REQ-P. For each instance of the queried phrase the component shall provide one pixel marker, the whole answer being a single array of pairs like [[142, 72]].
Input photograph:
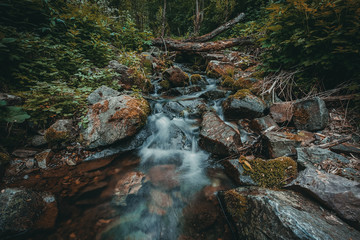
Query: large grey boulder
[[22, 210], [217, 137], [243, 104], [261, 214], [314, 156], [338, 193], [102, 93], [114, 119], [310, 114]]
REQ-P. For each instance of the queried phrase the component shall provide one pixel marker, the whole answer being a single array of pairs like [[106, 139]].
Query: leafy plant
[[12, 114]]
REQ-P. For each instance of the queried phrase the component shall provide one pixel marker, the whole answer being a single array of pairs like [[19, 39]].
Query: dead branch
[[334, 143]]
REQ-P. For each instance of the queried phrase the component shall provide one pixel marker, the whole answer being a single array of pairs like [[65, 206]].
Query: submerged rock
[[22, 210], [217, 137], [310, 114], [281, 144], [192, 108], [129, 184], [114, 119], [260, 214], [176, 77], [337, 193], [164, 176], [243, 104]]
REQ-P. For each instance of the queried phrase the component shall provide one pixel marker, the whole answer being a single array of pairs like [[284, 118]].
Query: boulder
[[310, 114], [217, 137], [159, 202], [114, 119], [189, 90], [59, 132], [259, 214], [217, 69], [273, 173], [261, 124], [38, 141], [22, 210], [24, 153], [314, 156], [193, 108], [214, 94], [176, 77], [281, 112], [129, 184], [280, 144], [337, 193], [102, 93], [243, 104]]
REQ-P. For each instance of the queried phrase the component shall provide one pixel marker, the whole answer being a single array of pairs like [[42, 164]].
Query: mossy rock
[[228, 82], [59, 132], [238, 203], [241, 94], [242, 83], [165, 84], [195, 78], [274, 173]]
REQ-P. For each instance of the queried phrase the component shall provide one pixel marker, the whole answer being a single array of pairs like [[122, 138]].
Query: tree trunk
[[163, 20], [177, 45], [198, 18], [218, 30]]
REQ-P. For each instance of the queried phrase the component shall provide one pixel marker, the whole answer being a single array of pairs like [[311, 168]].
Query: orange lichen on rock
[[100, 107]]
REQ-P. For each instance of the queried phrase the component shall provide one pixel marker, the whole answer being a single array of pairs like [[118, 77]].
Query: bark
[[163, 20], [177, 45], [217, 31]]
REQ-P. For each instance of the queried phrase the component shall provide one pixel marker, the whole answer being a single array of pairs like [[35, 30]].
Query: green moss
[[242, 83], [165, 84], [228, 82], [237, 204], [274, 173], [241, 94], [195, 78]]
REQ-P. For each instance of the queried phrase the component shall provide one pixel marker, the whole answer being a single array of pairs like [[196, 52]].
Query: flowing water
[[177, 170]]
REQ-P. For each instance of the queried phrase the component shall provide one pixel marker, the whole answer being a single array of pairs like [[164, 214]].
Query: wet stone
[[280, 144], [260, 213], [214, 94], [282, 112], [44, 158], [236, 172], [337, 193], [164, 176], [315, 156], [129, 184], [264, 123]]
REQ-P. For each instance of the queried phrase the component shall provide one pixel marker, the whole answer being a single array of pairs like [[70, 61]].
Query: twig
[[337, 142]]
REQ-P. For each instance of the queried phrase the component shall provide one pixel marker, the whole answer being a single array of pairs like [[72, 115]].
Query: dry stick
[[337, 142]]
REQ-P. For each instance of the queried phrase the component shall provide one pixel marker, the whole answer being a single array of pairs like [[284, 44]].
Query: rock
[[280, 144], [261, 124], [102, 93], [38, 141], [243, 104], [282, 112], [118, 67], [214, 56], [194, 107], [44, 158], [310, 114], [10, 100], [160, 199], [59, 132], [273, 173], [260, 214], [129, 184], [22, 210], [176, 77], [164, 176], [308, 157], [188, 90], [214, 94], [196, 79], [218, 69], [24, 153], [217, 137], [114, 119], [337, 193]]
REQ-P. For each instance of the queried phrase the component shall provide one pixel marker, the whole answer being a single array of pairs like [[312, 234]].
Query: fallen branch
[[217, 31], [177, 45], [337, 142]]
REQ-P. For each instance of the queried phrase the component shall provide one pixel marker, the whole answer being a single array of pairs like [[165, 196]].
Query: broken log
[[217, 31], [177, 45]]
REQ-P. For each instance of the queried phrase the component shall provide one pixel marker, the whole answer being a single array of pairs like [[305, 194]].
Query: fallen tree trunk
[[217, 31], [177, 45]]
